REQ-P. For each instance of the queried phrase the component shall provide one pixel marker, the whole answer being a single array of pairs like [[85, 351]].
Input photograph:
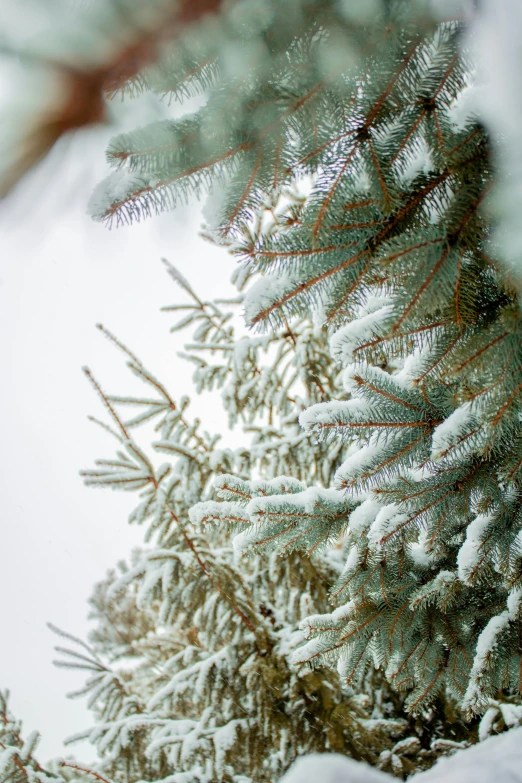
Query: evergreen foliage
[[17, 756], [190, 656], [390, 249], [191, 676], [382, 392]]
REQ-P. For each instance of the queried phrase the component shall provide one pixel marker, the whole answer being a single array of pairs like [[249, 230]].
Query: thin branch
[[251, 627], [87, 771], [113, 339], [106, 402]]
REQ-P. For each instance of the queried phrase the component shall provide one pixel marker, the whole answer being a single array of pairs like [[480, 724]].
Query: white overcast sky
[[60, 273]]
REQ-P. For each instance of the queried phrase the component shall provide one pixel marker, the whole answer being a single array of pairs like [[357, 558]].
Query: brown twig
[[87, 771]]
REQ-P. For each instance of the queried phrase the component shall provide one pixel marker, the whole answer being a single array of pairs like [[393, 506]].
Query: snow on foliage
[[114, 189], [452, 431], [384, 512], [362, 517], [387, 520], [489, 648], [420, 550], [368, 323], [262, 294], [469, 553], [323, 415], [401, 467], [360, 462]]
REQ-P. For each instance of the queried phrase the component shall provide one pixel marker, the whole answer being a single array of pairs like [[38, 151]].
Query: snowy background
[[60, 273]]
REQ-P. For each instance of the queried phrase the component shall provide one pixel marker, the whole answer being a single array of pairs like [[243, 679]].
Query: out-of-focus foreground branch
[[85, 80]]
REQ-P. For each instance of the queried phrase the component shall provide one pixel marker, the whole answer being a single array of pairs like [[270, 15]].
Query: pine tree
[[392, 253], [191, 653], [211, 693], [17, 756], [409, 471]]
